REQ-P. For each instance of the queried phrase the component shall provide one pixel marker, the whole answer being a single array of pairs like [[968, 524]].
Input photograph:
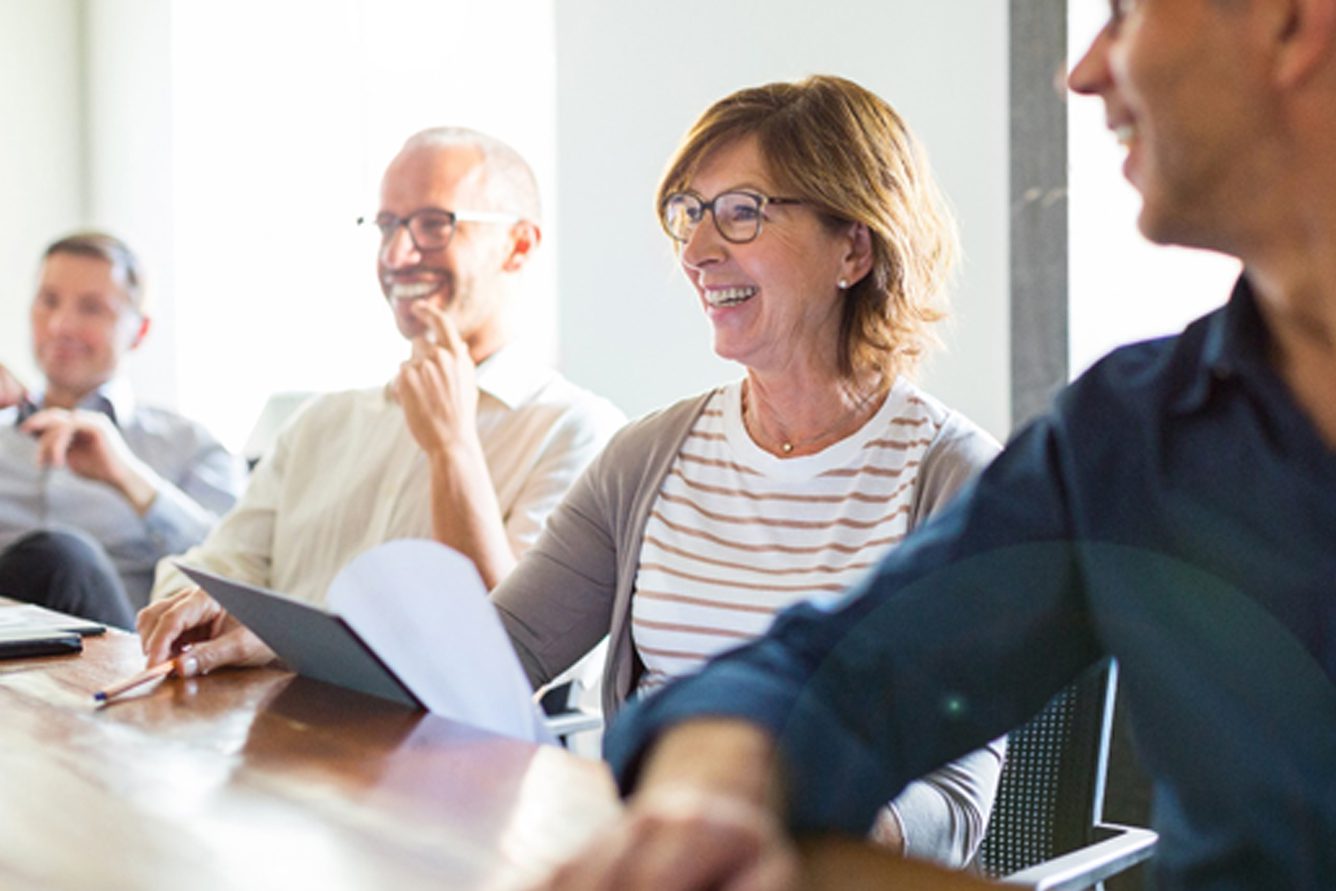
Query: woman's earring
[[844, 284]]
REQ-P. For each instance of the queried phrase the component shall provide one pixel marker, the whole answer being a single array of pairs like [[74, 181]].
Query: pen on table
[[162, 669]]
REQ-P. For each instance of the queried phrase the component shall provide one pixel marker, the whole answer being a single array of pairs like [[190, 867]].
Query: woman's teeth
[[729, 296], [1125, 133]]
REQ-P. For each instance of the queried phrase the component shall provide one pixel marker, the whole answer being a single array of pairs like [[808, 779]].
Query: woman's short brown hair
[[844, 150]]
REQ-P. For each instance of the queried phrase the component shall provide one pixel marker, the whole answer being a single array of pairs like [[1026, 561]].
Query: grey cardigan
[[574, 586]]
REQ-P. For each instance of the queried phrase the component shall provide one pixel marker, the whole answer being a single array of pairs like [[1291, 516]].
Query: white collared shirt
[[346, 475]]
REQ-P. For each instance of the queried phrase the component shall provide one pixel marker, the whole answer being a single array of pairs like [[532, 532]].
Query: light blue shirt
[[196, 480]]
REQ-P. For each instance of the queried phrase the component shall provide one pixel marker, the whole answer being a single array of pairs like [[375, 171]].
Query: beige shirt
[[347, 475]]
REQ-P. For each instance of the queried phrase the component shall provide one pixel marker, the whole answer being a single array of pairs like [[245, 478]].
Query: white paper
[[31, 617], [423, 609]]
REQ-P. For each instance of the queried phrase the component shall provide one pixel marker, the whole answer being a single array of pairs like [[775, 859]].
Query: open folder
[[407, 621]]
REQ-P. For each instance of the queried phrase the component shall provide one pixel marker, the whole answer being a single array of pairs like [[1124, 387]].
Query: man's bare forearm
[[465, 514]]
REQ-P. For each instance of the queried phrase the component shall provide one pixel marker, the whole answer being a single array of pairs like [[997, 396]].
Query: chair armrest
[[565, 724], [1126, 847]]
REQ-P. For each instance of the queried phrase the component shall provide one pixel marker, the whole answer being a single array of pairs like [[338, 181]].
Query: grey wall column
[[85, 44], [1038, 205]]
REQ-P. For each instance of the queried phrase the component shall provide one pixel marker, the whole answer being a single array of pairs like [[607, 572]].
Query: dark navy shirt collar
[[1234, 345]]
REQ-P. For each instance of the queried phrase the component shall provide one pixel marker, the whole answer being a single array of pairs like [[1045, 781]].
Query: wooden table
[[258, 779]]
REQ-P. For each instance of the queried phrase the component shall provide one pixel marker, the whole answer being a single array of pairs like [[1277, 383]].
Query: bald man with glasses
[[471, 444]]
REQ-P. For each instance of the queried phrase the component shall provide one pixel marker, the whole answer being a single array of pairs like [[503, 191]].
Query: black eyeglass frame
[[762, 201], [388, 224]]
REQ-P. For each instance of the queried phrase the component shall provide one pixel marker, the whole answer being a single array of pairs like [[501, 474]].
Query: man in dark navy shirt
[[1176, 509]]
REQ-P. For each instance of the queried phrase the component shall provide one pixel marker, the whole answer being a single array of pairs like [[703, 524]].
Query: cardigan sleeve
[[563, 597], [943, 814], [557, 602]]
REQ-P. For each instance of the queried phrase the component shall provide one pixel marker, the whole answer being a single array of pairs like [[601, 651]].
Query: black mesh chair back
[[1047, 830], [1050, 794]]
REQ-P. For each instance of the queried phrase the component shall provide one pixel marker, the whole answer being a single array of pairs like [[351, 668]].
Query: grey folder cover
[[315, 643]]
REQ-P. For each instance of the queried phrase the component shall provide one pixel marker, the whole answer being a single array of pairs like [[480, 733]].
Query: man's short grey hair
[[510, 182], [104, 246]]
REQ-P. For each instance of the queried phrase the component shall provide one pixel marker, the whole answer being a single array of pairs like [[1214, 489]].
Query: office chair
[[277, 411], [1046, 830], [564, 716]]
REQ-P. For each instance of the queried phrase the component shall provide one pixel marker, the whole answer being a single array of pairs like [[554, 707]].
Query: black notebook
[[20, 643]]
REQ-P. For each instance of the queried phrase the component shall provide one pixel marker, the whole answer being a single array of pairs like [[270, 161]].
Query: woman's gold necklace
[[787, 444]]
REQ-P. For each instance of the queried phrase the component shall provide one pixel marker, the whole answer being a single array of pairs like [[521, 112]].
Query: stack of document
[[30, 617], [27, 630]]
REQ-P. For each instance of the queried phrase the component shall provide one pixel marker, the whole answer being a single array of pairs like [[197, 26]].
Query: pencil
[[162, 669]]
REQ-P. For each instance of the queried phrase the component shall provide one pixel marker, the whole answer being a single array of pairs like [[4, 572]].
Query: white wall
[[130, 179], [237, 141], [41, 154], [632, 77]]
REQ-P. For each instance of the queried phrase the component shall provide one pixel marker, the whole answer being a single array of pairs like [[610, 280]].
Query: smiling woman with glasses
[[820, 269], [737, 215]]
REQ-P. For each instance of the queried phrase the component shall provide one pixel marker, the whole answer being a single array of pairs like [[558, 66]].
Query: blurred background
[[233, 145]]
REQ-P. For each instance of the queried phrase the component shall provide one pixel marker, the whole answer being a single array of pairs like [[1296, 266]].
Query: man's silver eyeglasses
[[431, 227], [737, 214]]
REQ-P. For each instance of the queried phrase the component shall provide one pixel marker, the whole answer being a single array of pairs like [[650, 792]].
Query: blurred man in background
[[96, 487]]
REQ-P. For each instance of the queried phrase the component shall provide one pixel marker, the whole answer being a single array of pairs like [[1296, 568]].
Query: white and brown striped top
[[737, 534]]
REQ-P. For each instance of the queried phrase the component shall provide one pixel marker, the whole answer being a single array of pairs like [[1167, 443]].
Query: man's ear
[[525, 236], [1307, 40], [144, 324]]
